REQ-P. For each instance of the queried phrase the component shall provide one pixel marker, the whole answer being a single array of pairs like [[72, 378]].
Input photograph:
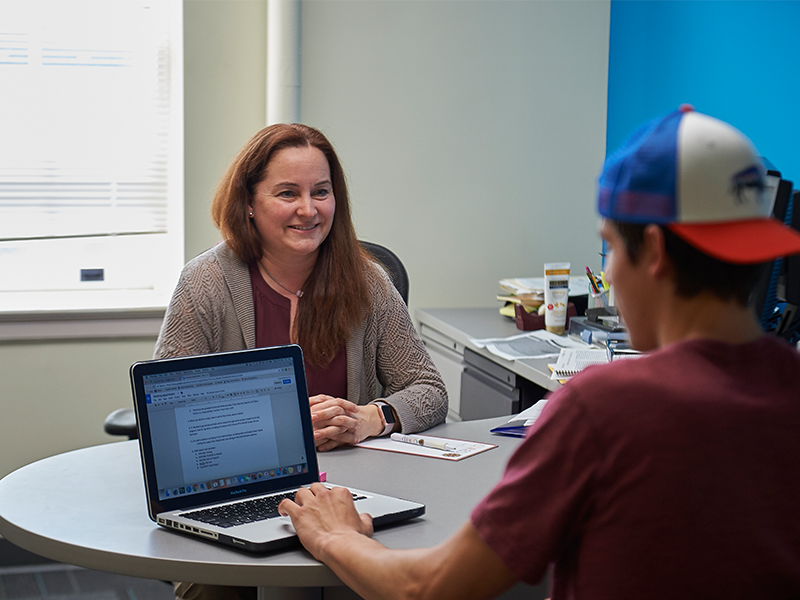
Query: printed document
[[534, 344]]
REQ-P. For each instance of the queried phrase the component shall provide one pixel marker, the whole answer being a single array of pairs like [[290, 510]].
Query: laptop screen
[[222, 422]]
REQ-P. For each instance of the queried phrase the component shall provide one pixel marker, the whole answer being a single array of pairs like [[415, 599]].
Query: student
[[671, 475]]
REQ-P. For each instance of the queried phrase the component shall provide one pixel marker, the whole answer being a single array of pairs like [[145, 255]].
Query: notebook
[[572, 361], [221, 435]]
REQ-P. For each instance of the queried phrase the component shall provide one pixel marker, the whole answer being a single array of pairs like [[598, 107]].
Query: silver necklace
[[298, 293]]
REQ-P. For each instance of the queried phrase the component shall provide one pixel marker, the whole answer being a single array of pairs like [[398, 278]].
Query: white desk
[[446, 333], [87, 508]]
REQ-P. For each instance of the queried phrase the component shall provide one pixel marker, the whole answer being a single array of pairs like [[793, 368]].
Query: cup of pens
[[598, 299], [599, 290]]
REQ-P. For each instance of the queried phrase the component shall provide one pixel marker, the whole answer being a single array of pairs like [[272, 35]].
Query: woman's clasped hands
[[338, 421]]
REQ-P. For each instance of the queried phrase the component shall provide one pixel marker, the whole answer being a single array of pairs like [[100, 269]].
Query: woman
[[291, 270]]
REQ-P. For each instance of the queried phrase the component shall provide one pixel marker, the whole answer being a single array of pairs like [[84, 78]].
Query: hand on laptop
[[338, 421], [323, 516]]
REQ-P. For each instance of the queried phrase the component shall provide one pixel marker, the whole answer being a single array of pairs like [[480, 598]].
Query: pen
[[603, 279], [592, 281], [418, 441]]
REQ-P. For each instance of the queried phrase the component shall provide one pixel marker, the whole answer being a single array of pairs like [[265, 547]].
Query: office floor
[[25, 576]]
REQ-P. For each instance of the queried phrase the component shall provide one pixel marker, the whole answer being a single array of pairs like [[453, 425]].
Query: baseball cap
[[702, 179]]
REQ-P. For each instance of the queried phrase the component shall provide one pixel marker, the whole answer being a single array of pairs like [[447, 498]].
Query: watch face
[[387, 413]]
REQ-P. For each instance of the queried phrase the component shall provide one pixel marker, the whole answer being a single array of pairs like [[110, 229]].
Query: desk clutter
[[572, 361], [518, 425], [572, 355], [532, 321], [595, 339], [534, 344], [523, 300], [531, 300]]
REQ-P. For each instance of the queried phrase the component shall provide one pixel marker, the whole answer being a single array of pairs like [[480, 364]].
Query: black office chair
[[123, 420], [392, 264]]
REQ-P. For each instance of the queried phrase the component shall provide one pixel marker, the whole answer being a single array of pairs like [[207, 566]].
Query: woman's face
[[293, 205]]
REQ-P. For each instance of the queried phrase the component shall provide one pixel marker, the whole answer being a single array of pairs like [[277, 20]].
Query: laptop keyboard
[[249, 511]]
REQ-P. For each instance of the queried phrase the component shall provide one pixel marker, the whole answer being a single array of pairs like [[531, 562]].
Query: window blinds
[[90, 151]]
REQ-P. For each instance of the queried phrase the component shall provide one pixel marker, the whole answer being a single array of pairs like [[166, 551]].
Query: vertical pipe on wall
[[283, 61]]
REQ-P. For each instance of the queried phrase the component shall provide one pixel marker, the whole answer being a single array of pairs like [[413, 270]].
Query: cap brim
[[746, 241]]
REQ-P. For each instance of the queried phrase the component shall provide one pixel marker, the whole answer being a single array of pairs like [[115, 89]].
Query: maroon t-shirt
[[671, 475], [272, 329]]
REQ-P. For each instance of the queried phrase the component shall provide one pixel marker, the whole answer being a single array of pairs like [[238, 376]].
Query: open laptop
[[222, 432]]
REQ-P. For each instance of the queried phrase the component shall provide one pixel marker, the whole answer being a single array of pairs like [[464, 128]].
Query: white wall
[[225, 83], [471, 132]]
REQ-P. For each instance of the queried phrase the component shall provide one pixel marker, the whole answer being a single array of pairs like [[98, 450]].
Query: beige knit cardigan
[[212, 311]]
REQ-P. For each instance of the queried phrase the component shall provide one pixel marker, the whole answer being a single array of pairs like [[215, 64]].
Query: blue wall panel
[[738, 60]]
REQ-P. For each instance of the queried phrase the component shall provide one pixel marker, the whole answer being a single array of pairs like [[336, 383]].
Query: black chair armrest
[[122, 422]]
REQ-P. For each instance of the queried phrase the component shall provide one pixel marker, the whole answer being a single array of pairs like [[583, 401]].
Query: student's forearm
[[372, 570], [461, 568]]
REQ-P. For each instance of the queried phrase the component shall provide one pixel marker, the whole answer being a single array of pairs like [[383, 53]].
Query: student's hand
[[322, 516]]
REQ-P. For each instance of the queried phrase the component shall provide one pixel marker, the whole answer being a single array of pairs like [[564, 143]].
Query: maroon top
[[272, 312], [671, 475]]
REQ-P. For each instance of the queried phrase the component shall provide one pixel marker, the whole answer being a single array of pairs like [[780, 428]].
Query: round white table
[[87, 508]]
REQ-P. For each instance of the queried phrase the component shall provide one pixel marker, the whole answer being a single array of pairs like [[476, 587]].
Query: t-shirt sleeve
[[534, 513]]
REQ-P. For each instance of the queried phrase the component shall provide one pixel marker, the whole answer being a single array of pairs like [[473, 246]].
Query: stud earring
[[251, 214]]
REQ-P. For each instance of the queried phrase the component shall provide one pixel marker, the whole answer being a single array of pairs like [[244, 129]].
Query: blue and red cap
[[703, 180]]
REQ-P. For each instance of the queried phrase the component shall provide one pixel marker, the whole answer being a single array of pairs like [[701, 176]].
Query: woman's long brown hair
[[335, 295]]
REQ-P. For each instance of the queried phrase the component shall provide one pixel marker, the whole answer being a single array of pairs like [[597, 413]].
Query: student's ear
[[654, 251]]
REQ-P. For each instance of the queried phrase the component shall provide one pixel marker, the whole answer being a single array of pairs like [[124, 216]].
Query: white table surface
[[87, 508]]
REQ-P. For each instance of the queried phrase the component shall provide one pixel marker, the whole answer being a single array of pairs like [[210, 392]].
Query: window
[[91, 154]]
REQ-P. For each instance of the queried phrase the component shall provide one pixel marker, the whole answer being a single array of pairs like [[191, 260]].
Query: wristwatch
[[387, 416]]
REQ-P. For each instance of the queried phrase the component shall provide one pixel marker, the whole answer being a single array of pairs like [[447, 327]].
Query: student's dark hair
[[335, 295], [695, 271]]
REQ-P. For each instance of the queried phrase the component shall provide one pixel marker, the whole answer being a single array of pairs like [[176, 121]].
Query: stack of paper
[[528, 292]]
